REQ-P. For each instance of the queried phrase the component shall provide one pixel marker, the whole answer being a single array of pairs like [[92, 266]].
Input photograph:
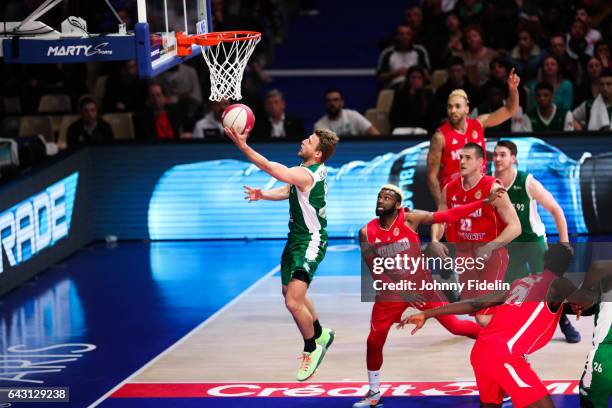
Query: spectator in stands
[[435, 32], [576, 41], [526, 56], [394, 61], [124, 91], [211, 126], [89, 128], [182, 83], [413, 16], [602, 51], [456, 80], [495, 93], [499, 19], [592, 35], [500, 70], [276, 124], [413, 105], [570, 67], [477, 57], [344, 122], [596, 114], [564, 90], [589, 87], [454, 41], [601, 16], [548, 116], [158, 119], [469, 12]]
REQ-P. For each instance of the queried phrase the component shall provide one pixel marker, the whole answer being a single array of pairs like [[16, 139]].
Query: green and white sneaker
[[326, 338], [310, 362], [371, 400]]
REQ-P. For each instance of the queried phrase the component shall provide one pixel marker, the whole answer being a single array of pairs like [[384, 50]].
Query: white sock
[[374, 380]]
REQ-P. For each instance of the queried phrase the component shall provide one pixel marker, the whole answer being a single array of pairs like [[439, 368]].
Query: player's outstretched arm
[[274, 194], [416, 217], [509, 109], [546, 199], [291, 175], [508, 214], [437, 230], [434, 156], [457, 308]]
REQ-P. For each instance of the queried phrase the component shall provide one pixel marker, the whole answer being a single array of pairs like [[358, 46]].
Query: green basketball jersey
[[557, 123], [603, 320], [527, 209], [307, 218]]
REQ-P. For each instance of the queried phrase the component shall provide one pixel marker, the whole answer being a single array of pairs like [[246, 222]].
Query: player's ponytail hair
[[327, 143]]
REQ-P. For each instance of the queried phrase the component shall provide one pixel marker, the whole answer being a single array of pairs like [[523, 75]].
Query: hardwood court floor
[[255, 339]]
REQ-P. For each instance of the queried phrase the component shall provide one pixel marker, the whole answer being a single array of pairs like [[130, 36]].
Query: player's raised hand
[[513, 80], [417, 319], [239, 139], [252, 194], [494, 194]]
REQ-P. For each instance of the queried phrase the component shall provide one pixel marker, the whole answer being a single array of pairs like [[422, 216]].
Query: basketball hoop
[[226, 54]]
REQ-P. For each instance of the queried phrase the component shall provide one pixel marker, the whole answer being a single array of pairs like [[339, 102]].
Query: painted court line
[[188, 335]]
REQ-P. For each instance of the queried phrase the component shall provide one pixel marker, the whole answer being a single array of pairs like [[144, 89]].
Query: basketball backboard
[[158, 23], [152, 42]]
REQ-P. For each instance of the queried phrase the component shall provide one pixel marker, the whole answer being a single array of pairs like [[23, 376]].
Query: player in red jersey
[[392, 234], [483, 233], [525, 320], [447, 141]]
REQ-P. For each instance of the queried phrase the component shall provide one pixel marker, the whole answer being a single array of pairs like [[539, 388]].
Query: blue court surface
[[92, 321]]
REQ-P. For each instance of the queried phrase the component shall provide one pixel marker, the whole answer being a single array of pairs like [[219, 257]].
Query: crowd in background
[[560, 49]]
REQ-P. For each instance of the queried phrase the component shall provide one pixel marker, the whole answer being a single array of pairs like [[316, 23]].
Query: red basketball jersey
[[399, 239], [453, 143], [484, 224], [524, 323]]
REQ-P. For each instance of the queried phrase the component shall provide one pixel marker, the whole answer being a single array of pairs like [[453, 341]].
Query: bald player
[[449, 139]]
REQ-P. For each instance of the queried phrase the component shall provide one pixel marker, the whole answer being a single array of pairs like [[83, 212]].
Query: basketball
[[238, 117]]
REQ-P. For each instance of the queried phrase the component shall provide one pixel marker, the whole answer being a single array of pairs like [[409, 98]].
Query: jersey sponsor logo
[[37, 222], [472, 236], [456, 154], [394, 248], [317, 389], [77, 50]]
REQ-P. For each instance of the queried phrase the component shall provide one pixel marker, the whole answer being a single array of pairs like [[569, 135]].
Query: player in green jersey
[[527, 250], [596, 381], [306, 190]]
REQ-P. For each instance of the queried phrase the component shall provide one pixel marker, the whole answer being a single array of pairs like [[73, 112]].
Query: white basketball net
[[226, 62]]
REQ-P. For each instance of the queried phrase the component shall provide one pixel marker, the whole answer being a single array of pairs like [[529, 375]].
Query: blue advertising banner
[[66, 50], [196, 191]]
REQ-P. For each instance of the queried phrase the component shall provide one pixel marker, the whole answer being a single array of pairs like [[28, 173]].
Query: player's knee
[[376, 340], [293, 305]]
